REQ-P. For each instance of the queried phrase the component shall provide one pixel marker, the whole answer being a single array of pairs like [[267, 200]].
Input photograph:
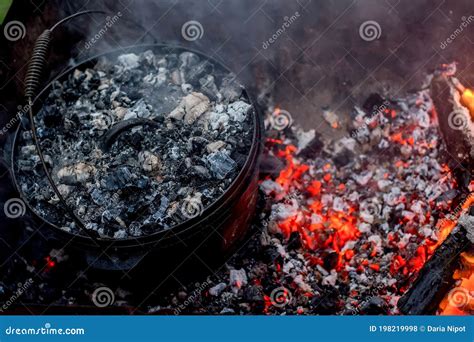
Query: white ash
[[331, 118], [75, 174], [150, 162], [467, 221], [198, 144], [191, 108], [238, 110], [237, 279], [128, 61], [217, 290], [215, 146], [304, 138]]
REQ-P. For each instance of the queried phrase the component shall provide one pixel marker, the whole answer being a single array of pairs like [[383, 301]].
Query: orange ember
[[460, 300], [339, 231], [319, 227], [446, 225], [467, 100]]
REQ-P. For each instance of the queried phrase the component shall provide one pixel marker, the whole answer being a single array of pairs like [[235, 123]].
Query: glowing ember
[[373, 222], [346, 224], [446, 225], [467, 100], [460, 299]]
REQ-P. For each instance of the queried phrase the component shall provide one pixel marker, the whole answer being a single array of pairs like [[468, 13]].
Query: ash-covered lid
[[196, 134]]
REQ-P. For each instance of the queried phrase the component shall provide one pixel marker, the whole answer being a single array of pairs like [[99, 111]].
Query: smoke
[[232, 31], [304, 54]]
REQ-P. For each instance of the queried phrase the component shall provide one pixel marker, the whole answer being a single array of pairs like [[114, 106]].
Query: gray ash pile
[[188, 132]]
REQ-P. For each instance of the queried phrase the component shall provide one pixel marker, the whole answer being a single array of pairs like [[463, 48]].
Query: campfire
[[344, 226], [150, 181], [352, 222]]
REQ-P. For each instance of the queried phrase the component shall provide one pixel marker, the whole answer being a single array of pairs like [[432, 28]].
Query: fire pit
[[351, 223], [345, 226], [361, 202]]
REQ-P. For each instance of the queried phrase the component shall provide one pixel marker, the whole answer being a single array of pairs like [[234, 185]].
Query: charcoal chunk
[[118, 178], [97, 197], [374, 306], [221, 164]]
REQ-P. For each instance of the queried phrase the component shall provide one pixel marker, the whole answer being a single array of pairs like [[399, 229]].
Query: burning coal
[[349, 222]]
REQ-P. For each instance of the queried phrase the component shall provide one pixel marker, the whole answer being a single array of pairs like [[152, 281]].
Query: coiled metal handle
[[32, 81], [37, 64]]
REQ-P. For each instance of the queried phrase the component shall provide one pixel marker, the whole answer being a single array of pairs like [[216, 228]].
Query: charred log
[[454, 120], [435, 278]]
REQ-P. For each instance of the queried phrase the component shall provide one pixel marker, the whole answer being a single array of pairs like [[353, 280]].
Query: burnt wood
[[459, 141], [435, 278]]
